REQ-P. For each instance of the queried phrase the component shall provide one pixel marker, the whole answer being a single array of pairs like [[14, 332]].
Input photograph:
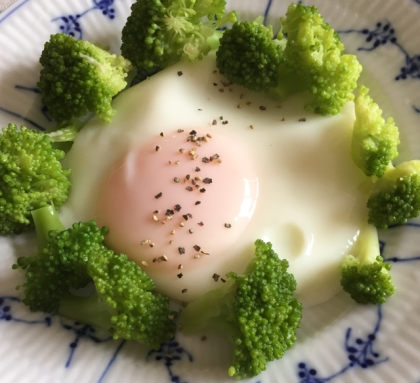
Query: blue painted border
[[12, 9]]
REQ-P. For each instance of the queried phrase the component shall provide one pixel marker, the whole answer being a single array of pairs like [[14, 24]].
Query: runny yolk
[[178, 203]]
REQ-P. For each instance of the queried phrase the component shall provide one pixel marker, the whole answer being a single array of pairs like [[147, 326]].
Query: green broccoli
[[124, 302], [32, 177], [65, 132], [78, 77], [248, 56], [256, 311], [159, 33], [395, 197], [365, 276], [312, 60], [374, 141]]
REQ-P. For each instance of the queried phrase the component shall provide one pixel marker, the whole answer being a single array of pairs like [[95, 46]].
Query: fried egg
[[192, 170]]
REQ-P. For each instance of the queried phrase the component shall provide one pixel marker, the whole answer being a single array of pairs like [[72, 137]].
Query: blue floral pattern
[[169, 353], [360, 353], [70, 24]]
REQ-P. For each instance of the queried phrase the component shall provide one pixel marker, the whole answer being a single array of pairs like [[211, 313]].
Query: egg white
[[311, 200]]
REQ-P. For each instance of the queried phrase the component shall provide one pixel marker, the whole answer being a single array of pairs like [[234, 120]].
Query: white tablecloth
[[5, 3]]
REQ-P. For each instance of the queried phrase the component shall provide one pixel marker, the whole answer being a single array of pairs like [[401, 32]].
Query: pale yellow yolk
[[178, 204]]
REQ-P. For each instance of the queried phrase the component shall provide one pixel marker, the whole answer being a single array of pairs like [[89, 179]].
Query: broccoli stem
[[46, 219], [367, 244], [211, 311], [288, 84], [92, 310]]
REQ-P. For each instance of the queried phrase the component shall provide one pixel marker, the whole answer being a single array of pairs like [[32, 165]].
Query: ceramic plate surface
[[339, 341]]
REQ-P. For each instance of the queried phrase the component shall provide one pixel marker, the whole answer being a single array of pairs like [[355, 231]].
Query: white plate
[[339, 341]]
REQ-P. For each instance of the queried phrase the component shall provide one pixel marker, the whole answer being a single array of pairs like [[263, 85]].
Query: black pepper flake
[[202, 190], [262, 107], [184, 291], [196, 248], [221, 118], [180, 73], [214, 122], [157, 148], [177, 207], [283, 119], [180, 275], [197, 169], [193, 132], [181, 250], [193, 182], [201, 224], [203, 337], [223, 280], [185, 217], [207, 180], [200, 110], [180, 130], [157, 196], [189, 215], [216, 277], [161, 134], [215, 83], [302, 119], [156, 211], [214, 157], [197, 202], [176, 179], [169, 212], [228, 225], [189, 188], [187, 177], [205, 160], [225, 122]]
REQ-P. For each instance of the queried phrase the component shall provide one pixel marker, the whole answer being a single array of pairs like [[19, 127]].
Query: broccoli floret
[[159, 33], [365, 276], [78, 77], [256, 311], [395, 197], [31, 177], [311, 60], [260, 57], [374, 141], [124, 302]]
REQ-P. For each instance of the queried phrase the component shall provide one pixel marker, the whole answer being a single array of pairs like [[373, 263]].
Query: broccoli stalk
[[78, 77], [365, 276], [311, 60], [124, 302], [159, 33], [32, 177], [395, 197], [374, 141], [256, 311], [65, 132]]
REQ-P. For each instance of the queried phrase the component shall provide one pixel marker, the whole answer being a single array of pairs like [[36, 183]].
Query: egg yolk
[[178, 203]]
